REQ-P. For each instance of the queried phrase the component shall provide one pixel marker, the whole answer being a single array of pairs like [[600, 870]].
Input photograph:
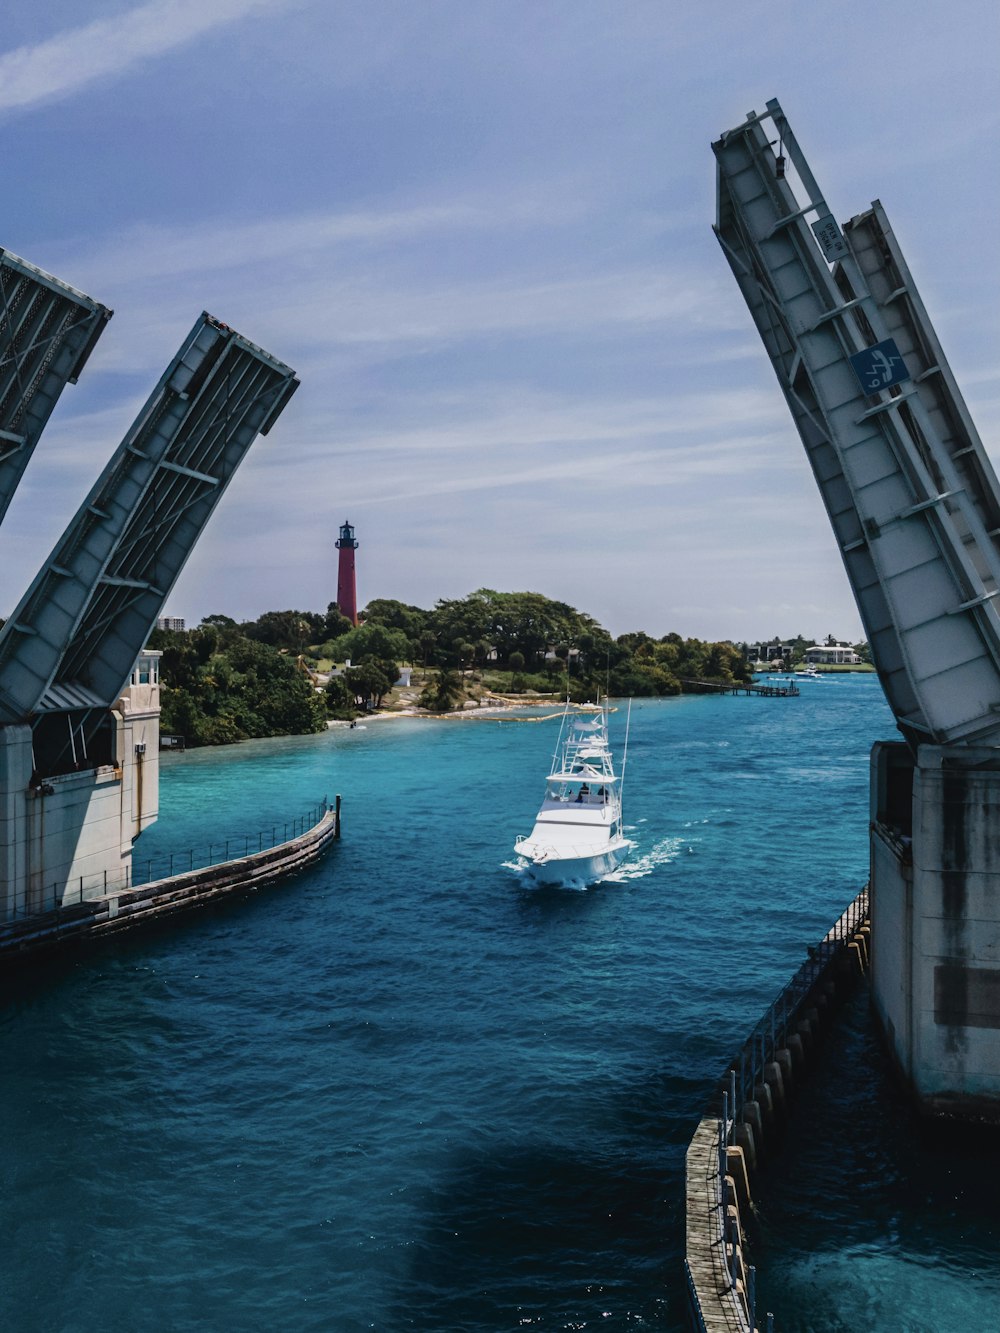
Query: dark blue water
[[869, 1219], [403, 1091]]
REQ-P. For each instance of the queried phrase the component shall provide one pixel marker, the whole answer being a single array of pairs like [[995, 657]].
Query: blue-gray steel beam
[[916, 539], [47, 331], [74, 638], [878, 255]]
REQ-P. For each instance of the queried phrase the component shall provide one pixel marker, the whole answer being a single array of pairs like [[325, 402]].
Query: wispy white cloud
[[517, 418], [383, 282], [607, 469], [367, 315], [148, 252], [70, 60]]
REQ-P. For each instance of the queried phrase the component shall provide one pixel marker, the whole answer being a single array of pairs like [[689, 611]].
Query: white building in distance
[[832, 654]]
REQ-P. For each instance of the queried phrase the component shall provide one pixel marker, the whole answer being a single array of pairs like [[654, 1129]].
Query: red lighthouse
[[347, 591]]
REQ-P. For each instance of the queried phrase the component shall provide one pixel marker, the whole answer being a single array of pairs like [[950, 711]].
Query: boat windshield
[[585, 793]]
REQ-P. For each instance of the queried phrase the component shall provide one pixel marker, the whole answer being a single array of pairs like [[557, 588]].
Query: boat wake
[[637, 867]]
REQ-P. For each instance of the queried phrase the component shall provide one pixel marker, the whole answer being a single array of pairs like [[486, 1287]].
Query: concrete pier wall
[[67, 831], [935, 858], [95, 918]]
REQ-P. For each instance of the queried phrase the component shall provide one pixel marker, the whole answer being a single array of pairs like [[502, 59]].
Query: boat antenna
[[621, 785], [562, 728]]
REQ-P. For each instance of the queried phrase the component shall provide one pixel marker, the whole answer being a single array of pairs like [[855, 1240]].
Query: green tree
[[388, 645], [340, 701], [396, 615], [627, 681], [335, 624], [218, 686], [427, 644], [441, 694], [292, 630], [368, 682], [524, 622]]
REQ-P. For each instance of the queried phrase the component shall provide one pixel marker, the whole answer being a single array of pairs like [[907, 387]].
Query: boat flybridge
[[578, 836]]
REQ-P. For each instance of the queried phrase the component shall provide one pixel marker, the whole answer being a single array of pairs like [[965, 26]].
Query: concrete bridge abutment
[[935, 922]]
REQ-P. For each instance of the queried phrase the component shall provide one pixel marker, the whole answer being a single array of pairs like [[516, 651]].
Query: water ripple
[[403, 1092]]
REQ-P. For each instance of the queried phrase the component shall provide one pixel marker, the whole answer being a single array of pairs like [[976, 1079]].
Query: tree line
[[228, 681]]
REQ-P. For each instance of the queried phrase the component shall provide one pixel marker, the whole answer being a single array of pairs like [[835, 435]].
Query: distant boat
[[578, 838], [809, 673]]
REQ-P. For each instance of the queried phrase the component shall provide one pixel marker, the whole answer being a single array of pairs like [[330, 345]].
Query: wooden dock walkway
[[754, 1097], [716, 1307], [786, 691]]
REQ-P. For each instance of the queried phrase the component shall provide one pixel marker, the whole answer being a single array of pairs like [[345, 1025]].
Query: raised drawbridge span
[[79, 695], [47, 332], [915, 509], [72, 641], [911, 495]]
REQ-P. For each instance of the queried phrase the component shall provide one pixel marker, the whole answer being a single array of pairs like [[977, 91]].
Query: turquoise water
[[402, 1091]]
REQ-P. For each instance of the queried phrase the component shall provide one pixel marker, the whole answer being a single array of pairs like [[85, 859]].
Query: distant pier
[[785, 691]]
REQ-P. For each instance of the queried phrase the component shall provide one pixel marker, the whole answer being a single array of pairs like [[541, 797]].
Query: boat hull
[[573, 872]]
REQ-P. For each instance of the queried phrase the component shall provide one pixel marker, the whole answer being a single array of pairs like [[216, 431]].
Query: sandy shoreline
[[463, 714]]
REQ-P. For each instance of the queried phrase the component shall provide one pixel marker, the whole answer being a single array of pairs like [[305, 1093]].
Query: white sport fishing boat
[[578, 837]]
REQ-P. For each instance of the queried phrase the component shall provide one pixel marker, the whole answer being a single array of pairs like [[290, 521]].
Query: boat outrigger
[[578, 837]]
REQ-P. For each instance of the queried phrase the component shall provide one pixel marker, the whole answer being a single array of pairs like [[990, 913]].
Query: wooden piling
[[770, 1067]]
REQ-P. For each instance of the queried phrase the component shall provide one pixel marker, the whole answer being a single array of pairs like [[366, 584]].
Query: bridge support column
[[936, 921], [15, 774]]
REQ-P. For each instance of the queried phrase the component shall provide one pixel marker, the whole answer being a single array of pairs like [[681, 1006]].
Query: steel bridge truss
[[47, 332], [71, 644], [910, 492]]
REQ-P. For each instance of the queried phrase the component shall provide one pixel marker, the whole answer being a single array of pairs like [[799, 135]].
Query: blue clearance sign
[[879, 367]]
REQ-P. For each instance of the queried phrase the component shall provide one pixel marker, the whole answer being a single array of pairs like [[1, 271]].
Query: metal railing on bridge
[[216, 852]]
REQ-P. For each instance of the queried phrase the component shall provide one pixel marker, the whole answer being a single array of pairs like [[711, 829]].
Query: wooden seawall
[[755, 1099], [97, 918]]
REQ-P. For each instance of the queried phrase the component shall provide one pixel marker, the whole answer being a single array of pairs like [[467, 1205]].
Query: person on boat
[[583, 792]]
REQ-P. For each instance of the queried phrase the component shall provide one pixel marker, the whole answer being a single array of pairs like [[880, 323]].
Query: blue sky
[[481, 233]]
